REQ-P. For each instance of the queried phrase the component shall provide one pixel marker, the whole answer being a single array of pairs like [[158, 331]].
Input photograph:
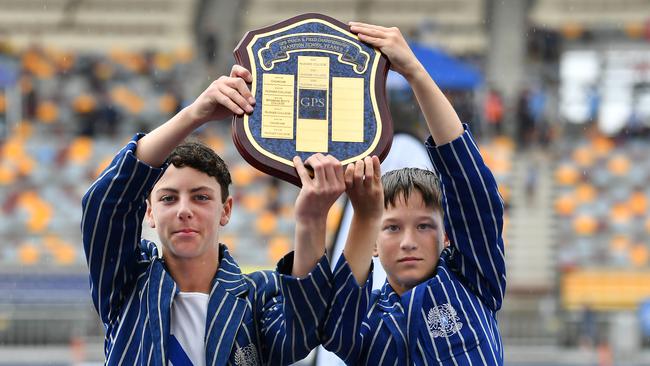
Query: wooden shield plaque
[[317, 89]]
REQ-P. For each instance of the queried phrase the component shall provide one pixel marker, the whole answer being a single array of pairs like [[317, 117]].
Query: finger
[[373, 41], [335, 172], [239, 71], [219, 99], [349, 176], [302, 171], [316, 163], [376, 165], [369, 172], [243, 90], [358, 172], [372, 32], [228, 89], [367, 26]]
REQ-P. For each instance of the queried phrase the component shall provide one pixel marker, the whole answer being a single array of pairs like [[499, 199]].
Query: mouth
[[409, 260], [185, 231]]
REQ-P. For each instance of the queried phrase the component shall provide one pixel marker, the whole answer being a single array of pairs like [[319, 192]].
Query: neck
[[194, 274], [399, 288]]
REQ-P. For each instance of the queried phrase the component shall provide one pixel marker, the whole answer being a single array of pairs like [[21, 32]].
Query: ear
[[227, 211], [445, 242], [149, 215], [375, 252]]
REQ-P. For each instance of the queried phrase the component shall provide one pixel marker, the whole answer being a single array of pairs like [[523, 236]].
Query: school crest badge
[[443, 321], [246, 356]]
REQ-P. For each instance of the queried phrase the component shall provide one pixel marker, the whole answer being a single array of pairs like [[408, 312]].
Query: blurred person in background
[[192, 305], [440, 243]]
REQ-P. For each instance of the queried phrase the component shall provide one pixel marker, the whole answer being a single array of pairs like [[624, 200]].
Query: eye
[[202, 197], [391, 228], [167, 198], [425, 227]]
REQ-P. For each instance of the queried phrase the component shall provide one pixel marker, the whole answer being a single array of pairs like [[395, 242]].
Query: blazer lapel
[[161, 291], [226, 309]]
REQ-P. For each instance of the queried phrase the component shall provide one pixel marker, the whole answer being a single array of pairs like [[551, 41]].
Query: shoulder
[[262, 281]]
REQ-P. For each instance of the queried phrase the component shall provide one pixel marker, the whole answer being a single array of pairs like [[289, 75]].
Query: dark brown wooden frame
[[284, 171]]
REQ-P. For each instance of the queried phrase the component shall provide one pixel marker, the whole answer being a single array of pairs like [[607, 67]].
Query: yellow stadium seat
[[619, 243], [163, 61], [28, 254], [23, 130], [103, 165], [639, 255], [504, 142], [13, 149], [279, 246], [7, 175], [602, 145], [619, 165], [80, 150], [585, 193], [638, 203], [585, 225], [25, 165], [230, 241], [184, 55], [215, 142], [39, 212], [62, 252], [84, 103], [565, 205], [620, 213], [504, 190], [334, 217], [583, 156], [242, 174], [566, 175], [167, 103], [3, 103], [47, 112], [266, 223], [103, 71], [253, 202]]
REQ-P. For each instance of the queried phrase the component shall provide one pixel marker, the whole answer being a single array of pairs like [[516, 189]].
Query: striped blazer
[[266, 317], [449, 319]]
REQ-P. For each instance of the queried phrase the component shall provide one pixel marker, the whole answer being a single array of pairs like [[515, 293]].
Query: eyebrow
[[193, 190], [399, 218]]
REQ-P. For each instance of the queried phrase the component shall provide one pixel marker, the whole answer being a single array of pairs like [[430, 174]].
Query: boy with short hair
[[194, 306], [440, 244]]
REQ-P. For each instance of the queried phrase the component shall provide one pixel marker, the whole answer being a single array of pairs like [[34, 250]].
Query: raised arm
[[351, 283], [473, 206], [225, 96], [114, 206], [113, 209], [314, 201], [441, 117], [363, 186]]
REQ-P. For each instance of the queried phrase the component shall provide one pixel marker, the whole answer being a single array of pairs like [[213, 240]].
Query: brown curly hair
[[197, 155]]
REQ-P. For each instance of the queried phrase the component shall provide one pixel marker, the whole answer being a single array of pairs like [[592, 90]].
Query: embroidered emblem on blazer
[[246, 356], [443, 321]]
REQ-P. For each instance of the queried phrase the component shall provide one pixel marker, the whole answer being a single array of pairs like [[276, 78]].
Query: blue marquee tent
[[448, 72]]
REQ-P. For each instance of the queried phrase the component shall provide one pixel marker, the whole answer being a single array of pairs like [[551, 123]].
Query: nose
[[184, 210], [408, 241]]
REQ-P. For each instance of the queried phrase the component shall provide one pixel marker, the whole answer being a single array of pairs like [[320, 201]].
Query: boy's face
[[186, 210], [409, 241]]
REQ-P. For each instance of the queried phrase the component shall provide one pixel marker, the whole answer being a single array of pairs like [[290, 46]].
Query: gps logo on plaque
[[318, 89]]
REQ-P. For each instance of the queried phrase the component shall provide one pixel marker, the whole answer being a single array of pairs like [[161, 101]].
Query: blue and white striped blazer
[[265, 317], [449, 319]]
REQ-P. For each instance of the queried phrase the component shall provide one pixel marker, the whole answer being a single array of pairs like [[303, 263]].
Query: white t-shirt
[[187, 338]]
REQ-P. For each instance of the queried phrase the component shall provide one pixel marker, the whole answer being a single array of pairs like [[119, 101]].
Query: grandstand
[[78, 78]]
